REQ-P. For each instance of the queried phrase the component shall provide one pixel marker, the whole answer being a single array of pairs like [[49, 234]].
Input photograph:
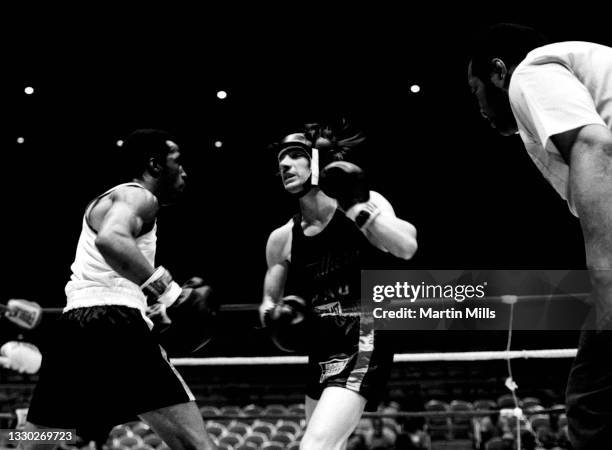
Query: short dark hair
[[507, 41], [142, 145]]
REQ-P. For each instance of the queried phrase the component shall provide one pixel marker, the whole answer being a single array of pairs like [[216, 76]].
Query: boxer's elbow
[[408, 248], [103, 242], [409, 244], [399, 240]]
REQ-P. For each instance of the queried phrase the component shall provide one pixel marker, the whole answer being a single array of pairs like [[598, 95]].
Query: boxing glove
[[20, 356], [286, 323], [189, 322], [346, 182]]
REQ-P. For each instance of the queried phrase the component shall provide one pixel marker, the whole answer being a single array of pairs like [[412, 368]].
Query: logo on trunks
[[329, 309], [333, 367]]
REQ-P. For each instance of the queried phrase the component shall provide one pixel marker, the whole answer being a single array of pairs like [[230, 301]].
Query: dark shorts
[[589, 392], [102, 367], [347, 352]]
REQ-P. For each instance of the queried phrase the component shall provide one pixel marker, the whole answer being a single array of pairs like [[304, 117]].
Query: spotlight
[[119, 143], [20, 140], [415, 88], [218, 144], [221, 95], [29, 90]]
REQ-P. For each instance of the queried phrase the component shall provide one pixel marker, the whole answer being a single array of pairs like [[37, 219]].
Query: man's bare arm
[[390, 233], [121, 225], [278, 266]]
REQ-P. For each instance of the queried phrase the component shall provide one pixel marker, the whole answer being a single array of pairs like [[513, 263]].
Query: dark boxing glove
[[192, 316], [347, 183], [286, 322]]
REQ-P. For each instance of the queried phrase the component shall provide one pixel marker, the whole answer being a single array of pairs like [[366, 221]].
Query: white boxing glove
[[20, 356]]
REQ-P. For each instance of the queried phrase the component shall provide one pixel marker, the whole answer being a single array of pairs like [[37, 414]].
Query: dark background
[[476, 198]]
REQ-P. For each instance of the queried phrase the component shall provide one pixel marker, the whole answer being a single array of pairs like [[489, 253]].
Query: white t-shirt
[[557, 88]]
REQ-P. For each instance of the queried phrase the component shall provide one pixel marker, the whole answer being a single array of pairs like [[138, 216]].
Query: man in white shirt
[[558, 97]]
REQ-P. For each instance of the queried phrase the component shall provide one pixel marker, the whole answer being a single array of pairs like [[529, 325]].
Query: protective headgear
[[319, 152]]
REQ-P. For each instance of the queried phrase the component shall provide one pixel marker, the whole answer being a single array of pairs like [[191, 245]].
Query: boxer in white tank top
[[104, 366], [94, 281]]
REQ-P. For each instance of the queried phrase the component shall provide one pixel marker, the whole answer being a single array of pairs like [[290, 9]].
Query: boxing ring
[[517, 413]]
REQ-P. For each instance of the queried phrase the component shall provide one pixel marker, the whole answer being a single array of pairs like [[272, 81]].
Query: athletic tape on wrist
[[160, 287], [156, 275], [171, 294]]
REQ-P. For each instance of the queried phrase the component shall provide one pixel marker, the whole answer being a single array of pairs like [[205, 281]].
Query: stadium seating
[[438, 427]]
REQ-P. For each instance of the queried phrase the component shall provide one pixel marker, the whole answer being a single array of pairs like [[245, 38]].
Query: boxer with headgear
[[104, 365], [311, 300]]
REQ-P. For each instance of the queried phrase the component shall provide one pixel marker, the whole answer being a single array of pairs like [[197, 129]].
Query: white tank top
[[93, 281]]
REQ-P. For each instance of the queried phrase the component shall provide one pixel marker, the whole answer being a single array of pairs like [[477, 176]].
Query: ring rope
[[399, 414], [406, 357]]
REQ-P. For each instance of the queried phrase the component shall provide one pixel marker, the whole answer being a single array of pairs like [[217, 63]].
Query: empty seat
[[231, 410], [275, 410], [288, 426], [438, 427], [284, 438], [141, 429], [251, 412], [129, 441], [264, 428], [539, 421], [528, 402], [153, 440], [461, 426], [208, 411], [256, 438], [297, 408], [252, 409], [534, 408], [120, 431], [231, 439], [239, 428], [215, 429], [505, 401]]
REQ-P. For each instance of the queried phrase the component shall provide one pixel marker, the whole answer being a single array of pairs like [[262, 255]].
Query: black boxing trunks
[[343, 348], [102, 367], [348, 353]]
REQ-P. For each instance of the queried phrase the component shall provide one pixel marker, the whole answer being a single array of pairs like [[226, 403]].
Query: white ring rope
[[406, 357]]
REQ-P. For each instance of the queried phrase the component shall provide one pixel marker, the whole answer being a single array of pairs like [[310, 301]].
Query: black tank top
[[326, 268]]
